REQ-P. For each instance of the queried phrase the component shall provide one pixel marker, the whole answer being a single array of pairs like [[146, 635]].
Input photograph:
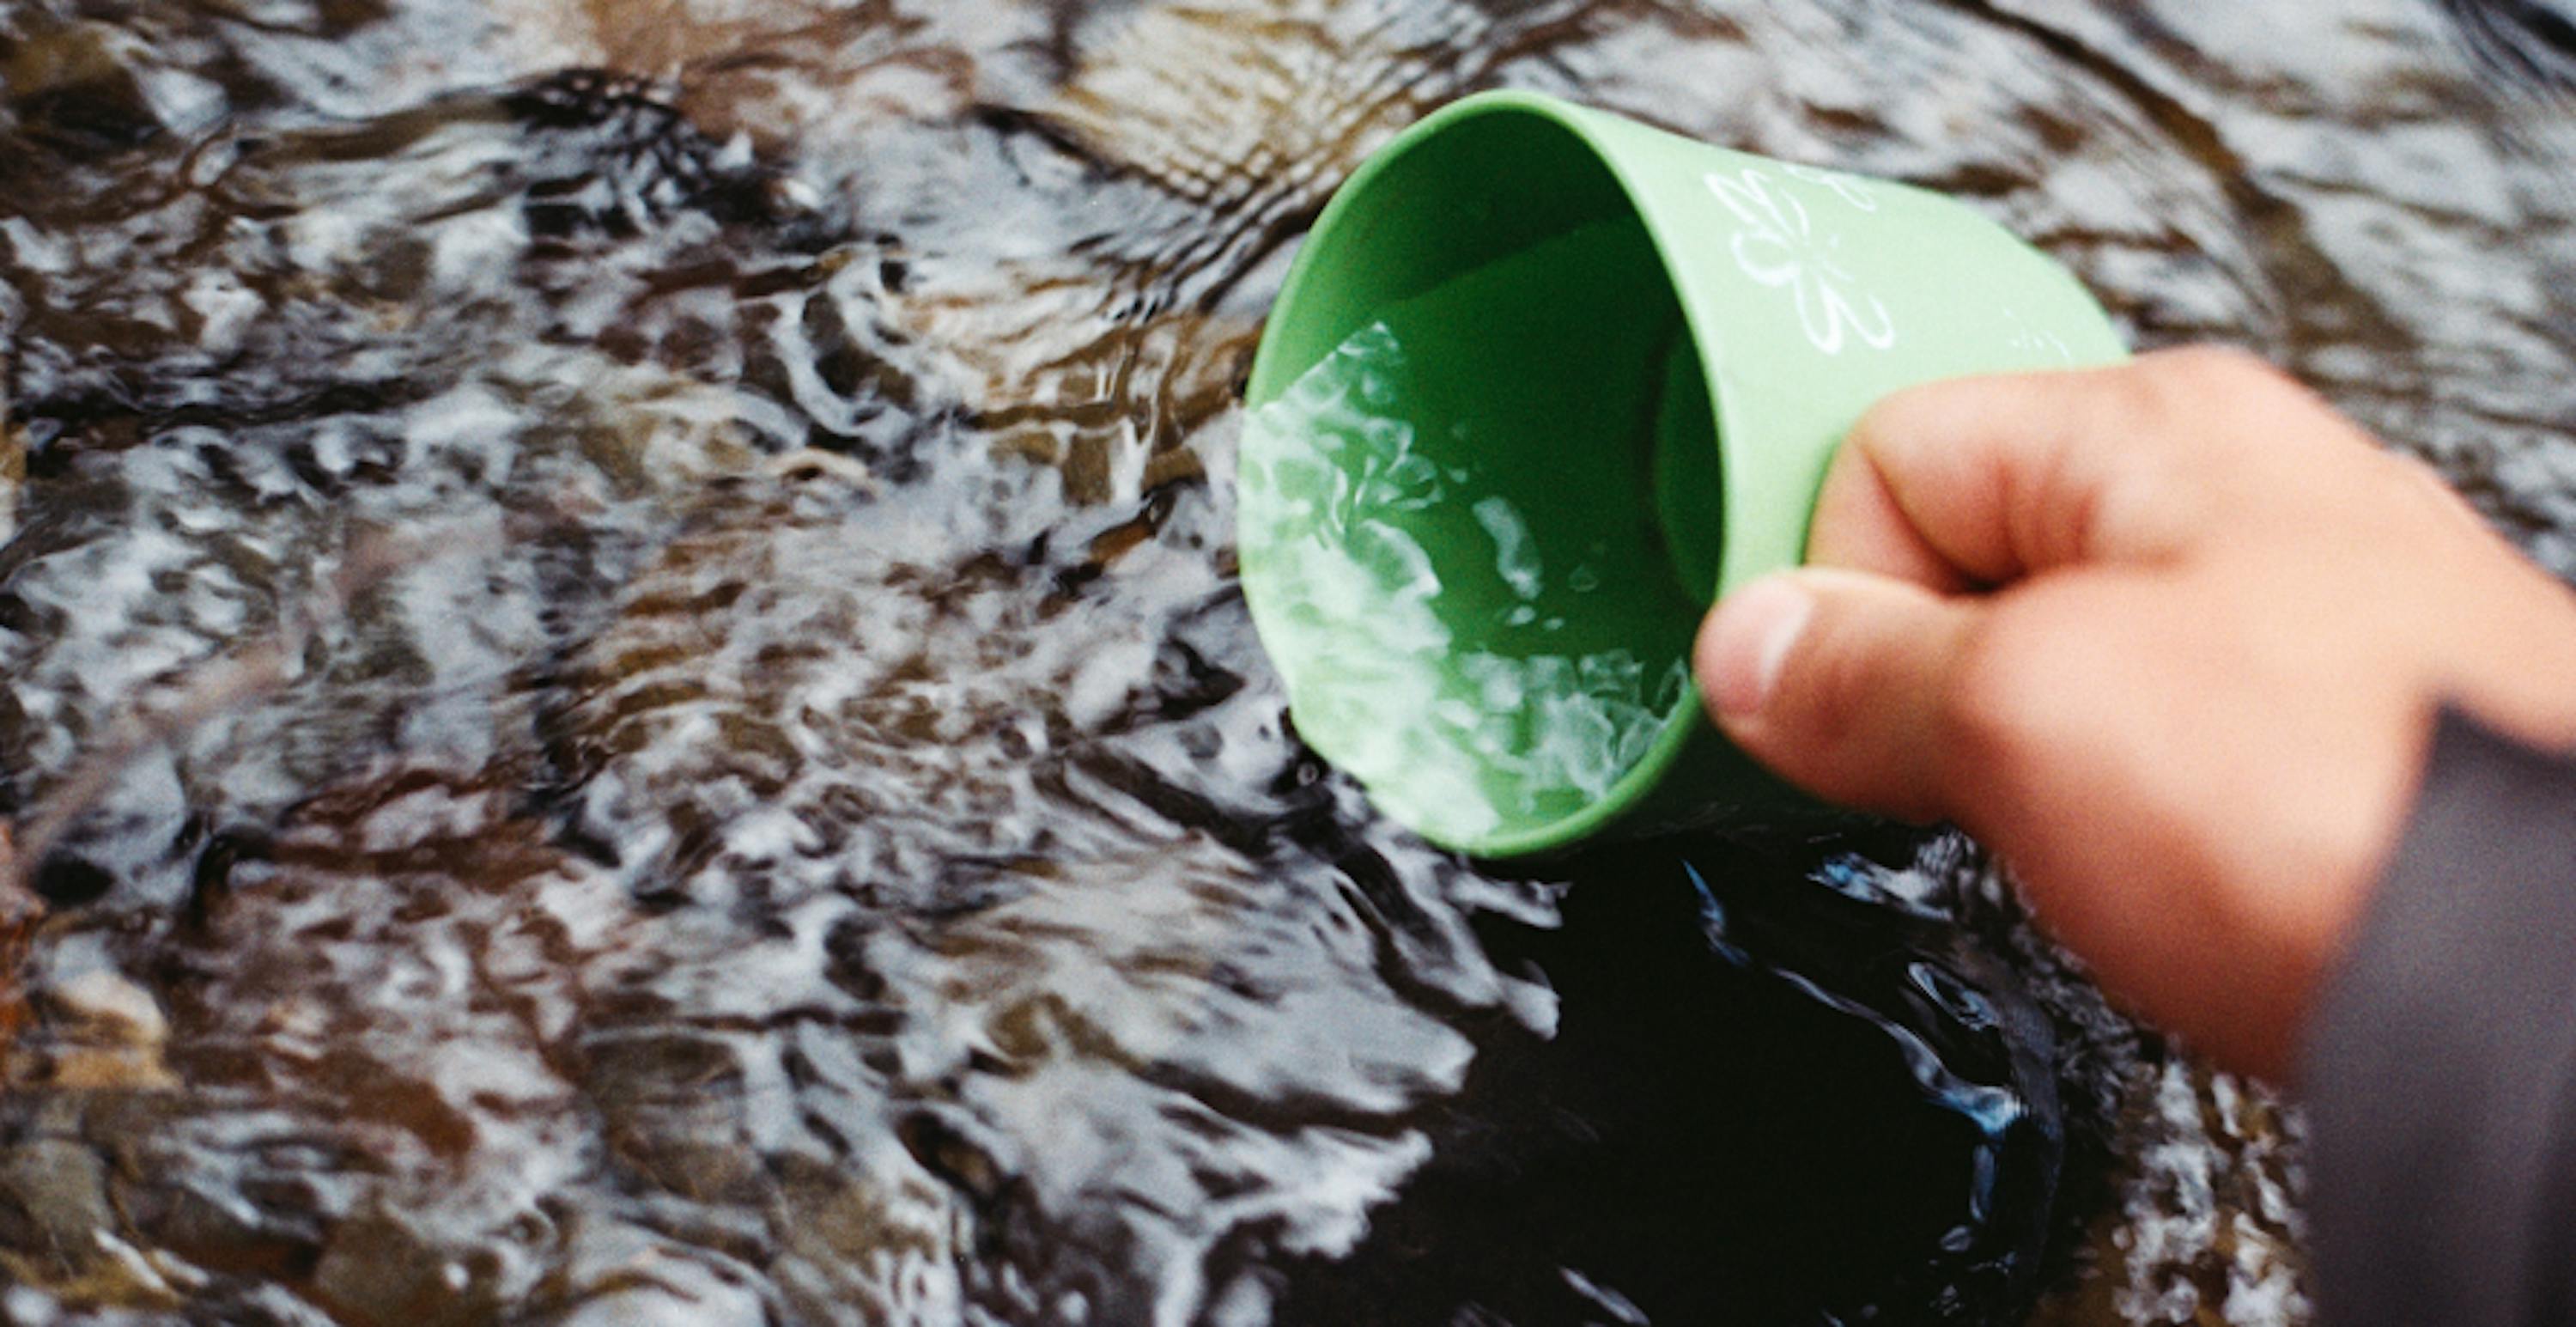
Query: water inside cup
[[1454, 522]]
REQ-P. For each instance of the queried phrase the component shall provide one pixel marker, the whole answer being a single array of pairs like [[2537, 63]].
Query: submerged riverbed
[[623, 699]]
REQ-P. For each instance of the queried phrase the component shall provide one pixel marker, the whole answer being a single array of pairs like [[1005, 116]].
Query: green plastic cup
[[1542, 385]]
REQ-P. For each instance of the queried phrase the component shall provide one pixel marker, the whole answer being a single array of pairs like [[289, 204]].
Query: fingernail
[[1752, 635]]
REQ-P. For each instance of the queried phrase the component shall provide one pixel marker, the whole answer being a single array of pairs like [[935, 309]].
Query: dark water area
[[622, 696]]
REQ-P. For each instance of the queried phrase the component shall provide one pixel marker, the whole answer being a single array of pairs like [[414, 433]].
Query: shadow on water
[[1767, 1101], [622, 698]]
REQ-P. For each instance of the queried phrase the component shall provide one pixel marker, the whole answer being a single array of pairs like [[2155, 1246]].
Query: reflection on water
[[626, 702]]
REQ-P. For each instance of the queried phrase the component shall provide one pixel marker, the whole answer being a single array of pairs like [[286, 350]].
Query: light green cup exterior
[[1807, 296]]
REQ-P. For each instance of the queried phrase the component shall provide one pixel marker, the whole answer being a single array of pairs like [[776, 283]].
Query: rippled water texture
[[623, 700]]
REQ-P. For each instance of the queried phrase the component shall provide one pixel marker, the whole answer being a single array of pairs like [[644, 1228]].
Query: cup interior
[[1481, 488]]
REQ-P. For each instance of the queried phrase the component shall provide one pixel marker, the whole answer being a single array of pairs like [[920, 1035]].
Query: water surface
[[625, 699]]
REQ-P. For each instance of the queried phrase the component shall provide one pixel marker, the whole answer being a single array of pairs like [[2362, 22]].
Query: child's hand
[[2169, 637]]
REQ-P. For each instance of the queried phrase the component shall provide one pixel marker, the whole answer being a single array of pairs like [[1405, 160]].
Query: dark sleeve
[[2440, 1075]]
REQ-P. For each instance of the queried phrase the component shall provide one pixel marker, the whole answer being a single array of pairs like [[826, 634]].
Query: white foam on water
[[1454, 737], [1516, 557]]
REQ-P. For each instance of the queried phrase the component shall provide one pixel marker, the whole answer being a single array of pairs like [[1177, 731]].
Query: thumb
[[1837, 681]]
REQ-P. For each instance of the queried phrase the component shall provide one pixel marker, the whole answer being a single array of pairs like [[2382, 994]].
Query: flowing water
[[623, 697], [1446, 683]]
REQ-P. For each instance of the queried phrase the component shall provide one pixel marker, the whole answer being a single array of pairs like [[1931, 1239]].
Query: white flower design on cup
[[1778, 246], [1850, 188], [2030, 340]]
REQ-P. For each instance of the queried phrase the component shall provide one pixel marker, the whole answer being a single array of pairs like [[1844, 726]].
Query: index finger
[[1983, 481]]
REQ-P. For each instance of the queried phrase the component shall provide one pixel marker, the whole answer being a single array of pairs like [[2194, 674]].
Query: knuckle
[[2194, 381], [2222, 406], [2425, 487], [2206, 368], [1897, 417]]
